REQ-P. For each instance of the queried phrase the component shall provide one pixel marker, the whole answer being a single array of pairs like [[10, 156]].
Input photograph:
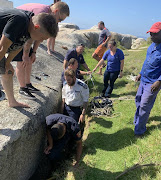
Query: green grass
[[109, 143]]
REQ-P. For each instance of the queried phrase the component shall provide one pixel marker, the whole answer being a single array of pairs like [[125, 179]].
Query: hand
[[103, 44], [138, 77], [26, 61], [9, 69], [121, 75], [47, 150], [155, 86], [33, 57], [94, 69], [76, 164], [89, 72], [81, 118]]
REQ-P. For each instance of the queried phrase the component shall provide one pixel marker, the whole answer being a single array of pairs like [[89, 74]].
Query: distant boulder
[[136, 43], [68, 25], [95, 27]]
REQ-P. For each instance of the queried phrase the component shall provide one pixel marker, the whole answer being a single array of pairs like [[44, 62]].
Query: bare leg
[[95, 56], [7, 82], [52, 44], [48, 46], [28, 70], [20, 72]]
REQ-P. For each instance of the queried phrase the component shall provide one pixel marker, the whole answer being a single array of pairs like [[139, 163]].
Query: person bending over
[[18, 27], [60, 130], [76, 53], [27, 57]]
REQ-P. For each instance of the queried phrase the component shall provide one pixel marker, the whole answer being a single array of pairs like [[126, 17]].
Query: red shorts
[[100, 50]]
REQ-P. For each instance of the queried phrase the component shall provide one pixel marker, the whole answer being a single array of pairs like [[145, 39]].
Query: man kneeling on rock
[[61, 130]]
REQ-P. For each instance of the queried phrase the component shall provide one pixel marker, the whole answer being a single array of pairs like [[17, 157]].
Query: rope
[[101, 106]]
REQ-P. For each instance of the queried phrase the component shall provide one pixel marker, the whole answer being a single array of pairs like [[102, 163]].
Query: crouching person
[[60, 130]]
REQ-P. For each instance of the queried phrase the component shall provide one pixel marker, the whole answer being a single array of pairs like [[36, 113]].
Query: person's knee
[[6, 77]]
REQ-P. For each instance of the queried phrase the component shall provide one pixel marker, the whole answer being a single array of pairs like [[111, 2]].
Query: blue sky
[[122, 16]]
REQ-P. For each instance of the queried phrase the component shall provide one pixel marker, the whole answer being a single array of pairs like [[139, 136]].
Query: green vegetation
[[109, 143]]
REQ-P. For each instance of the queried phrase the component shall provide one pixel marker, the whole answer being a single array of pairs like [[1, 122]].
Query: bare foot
[[49, 52], [18, 104], [64, 47]]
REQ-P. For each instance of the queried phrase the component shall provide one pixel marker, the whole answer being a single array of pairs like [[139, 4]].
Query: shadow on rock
[[56, 55]]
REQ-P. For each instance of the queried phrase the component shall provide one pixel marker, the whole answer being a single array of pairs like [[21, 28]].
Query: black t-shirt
[[73, 54], [14, 25]]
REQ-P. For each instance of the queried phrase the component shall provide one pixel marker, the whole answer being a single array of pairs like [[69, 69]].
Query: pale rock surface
[[22, 131], [6, 4], [68, 25], [71, 37], [136, 43]]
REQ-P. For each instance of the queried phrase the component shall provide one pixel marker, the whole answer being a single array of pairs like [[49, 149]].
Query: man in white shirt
[[75, 94]]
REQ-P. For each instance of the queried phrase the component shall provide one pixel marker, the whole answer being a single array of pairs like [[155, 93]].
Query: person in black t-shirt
[[18, 28], [76, 53]]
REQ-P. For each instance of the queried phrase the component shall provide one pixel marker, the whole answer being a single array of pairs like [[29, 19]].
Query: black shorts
[[20, 54]]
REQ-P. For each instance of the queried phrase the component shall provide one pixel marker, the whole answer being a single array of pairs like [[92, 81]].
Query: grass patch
[[109, 143]]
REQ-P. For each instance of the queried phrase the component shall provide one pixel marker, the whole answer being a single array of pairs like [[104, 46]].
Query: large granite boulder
[[23, 131], [71, 37]]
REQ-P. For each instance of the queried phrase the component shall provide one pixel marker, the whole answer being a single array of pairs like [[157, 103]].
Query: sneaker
[[2, 95], [31, 88], [137, 136], [26, 93]]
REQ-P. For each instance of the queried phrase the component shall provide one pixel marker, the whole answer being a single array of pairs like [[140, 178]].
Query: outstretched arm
[[99, 64], [50, 141], [86, 66], [26, 51], [78, 152], [82, 116], [5, 43]]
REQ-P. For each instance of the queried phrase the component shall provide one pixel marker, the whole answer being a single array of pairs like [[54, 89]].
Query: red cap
[[156, 27]]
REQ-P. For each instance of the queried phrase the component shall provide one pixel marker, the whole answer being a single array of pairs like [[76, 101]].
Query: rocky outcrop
[[68, 25], [22, 131], [71, 37], [136, 43]]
